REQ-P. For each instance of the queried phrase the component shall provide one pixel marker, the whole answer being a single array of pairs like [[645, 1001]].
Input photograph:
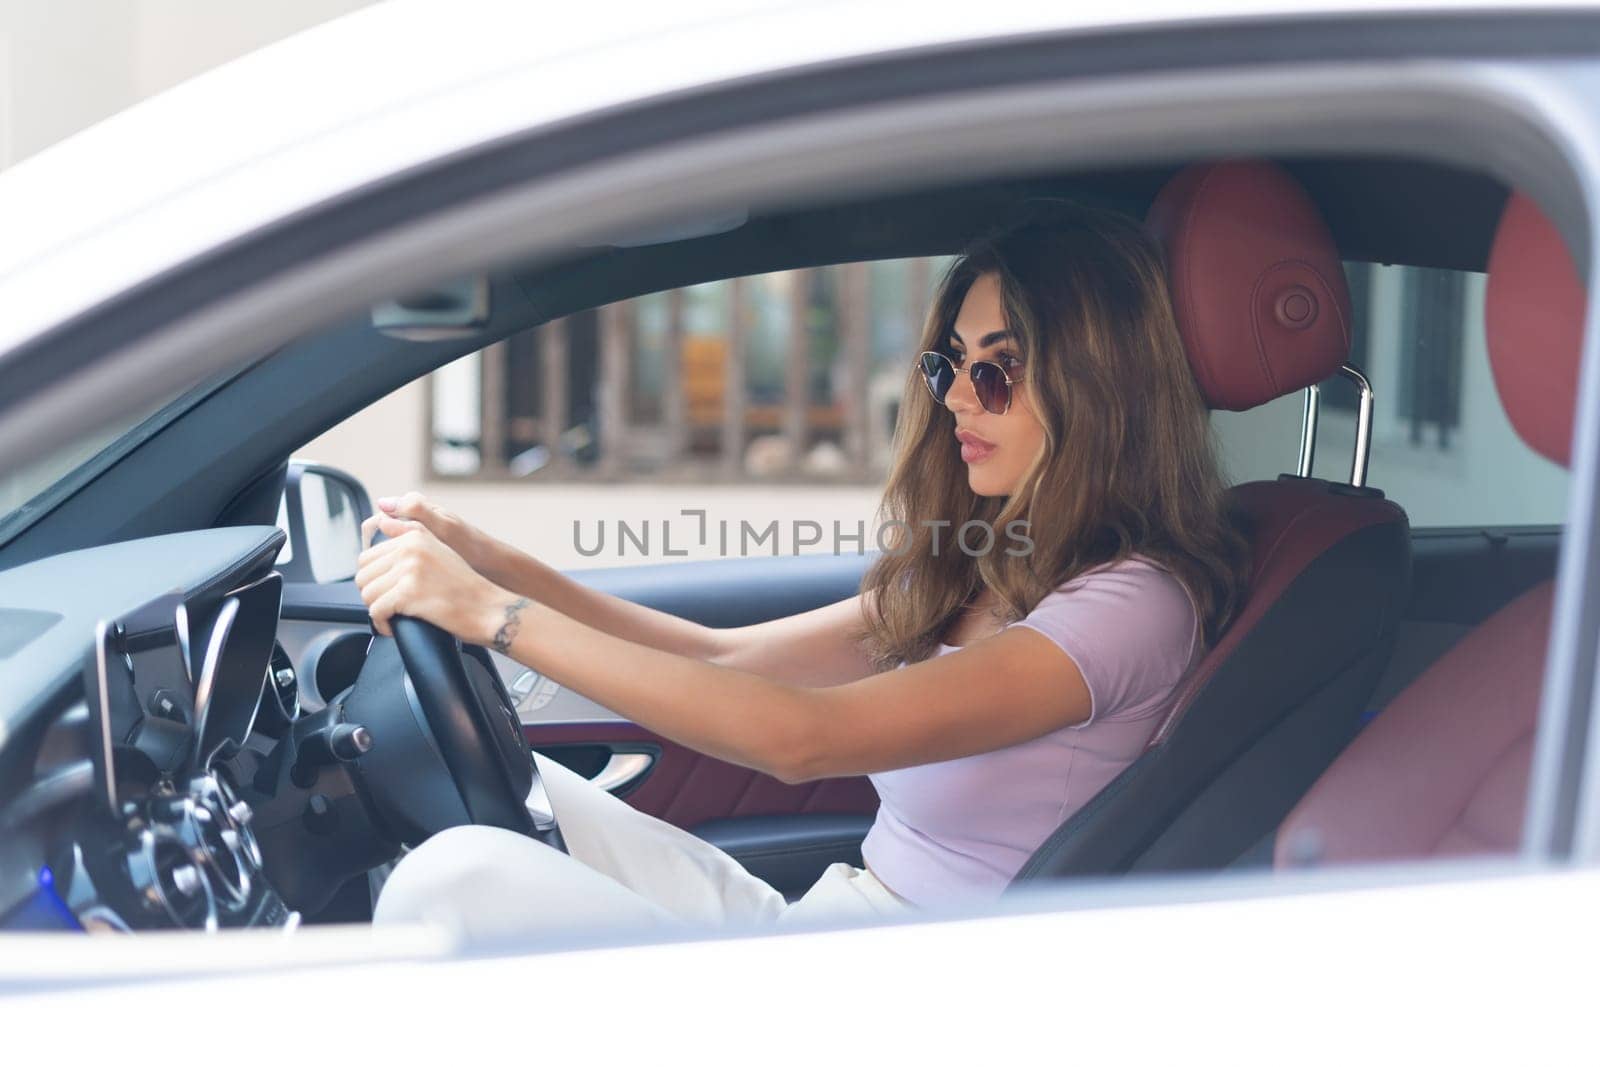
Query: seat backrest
[[1444, 769], [1259, 293]]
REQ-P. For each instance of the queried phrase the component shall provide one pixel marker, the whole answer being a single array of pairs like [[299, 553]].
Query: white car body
[[323, 113], [1473, 963], [1475, 970]]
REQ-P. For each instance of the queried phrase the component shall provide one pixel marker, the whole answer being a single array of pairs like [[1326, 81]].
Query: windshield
[[30, 492]]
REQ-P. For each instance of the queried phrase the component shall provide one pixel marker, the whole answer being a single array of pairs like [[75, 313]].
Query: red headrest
[[1533, 318], [1256, 281]]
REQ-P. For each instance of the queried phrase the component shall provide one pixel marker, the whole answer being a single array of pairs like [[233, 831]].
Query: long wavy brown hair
[[1127, 466]]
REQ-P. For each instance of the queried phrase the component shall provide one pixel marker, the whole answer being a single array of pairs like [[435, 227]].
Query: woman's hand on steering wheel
[[421, 593], [485, 554], [415, 574]]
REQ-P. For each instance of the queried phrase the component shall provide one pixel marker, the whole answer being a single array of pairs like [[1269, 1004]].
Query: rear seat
[[1443, 771]]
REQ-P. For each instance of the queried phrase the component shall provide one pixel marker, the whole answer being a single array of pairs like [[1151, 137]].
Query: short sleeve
[[1132, 630]]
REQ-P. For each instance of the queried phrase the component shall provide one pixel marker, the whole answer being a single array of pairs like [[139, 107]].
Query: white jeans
[[625, 869]]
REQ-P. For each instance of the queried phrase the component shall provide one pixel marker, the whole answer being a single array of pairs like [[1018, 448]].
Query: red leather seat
[[1444, 769], [1260, 297]]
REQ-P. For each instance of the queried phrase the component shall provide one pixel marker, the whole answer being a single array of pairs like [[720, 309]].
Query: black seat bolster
[[1293, 693]]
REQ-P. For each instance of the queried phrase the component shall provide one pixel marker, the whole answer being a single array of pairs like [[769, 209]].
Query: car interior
[[235, 748]]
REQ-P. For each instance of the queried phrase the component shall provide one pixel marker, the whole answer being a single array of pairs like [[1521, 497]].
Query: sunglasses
[[989, 381]]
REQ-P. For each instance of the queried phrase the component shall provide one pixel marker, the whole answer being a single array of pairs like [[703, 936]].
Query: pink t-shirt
[[962, 828]]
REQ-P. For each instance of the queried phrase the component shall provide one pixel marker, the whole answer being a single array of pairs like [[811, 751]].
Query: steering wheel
[[475, 729]]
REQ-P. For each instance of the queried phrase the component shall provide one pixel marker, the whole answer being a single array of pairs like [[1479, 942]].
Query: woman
[[1057, 559]]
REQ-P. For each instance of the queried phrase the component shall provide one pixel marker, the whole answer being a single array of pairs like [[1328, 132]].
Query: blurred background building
[[755, 399]]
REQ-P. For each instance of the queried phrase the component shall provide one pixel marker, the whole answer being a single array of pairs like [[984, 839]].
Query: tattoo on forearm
[[508, 629]]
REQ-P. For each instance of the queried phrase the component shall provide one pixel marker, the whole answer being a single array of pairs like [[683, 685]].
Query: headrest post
[[1308, 429], [1358, 462]]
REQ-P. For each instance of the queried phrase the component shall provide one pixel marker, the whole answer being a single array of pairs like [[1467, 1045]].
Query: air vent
[[166, 879]]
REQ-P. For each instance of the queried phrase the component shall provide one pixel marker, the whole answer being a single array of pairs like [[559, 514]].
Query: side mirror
[[321, 511]]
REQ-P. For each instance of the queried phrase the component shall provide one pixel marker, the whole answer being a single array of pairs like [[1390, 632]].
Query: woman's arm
[[516, 571], [819, 647], [816, 647], [1000, 691], [538, 581]]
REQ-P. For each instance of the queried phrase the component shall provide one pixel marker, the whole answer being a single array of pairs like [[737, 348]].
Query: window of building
[[793, 375]]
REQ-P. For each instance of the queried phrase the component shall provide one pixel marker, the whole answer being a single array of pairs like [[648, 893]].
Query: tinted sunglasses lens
[[989, 382], [938, 373]]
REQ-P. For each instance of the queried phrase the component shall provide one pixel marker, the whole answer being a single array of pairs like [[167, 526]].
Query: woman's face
[[997, 449]]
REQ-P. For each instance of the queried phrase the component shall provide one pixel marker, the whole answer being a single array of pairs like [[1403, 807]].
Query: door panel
[[687, 788]]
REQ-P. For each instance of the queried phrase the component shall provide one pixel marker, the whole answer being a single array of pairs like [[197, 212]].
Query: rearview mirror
[[322, 510]]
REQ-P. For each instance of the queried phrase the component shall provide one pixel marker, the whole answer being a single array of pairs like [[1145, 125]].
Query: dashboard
[[158, 766], [175, 687], [136, 679], [174, 690]]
